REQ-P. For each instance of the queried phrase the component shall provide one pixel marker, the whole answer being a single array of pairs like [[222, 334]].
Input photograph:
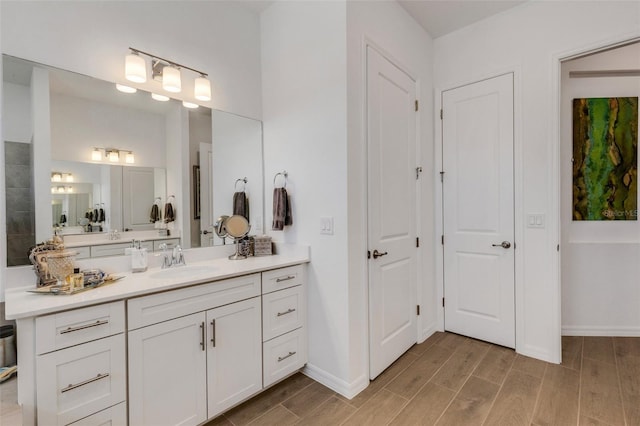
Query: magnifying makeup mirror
[[235, 226]]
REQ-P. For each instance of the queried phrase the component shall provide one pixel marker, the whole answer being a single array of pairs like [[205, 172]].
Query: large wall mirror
[[53, 121]]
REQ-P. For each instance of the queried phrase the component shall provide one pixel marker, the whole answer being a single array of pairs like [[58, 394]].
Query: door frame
[[366, 44], [518, 208]]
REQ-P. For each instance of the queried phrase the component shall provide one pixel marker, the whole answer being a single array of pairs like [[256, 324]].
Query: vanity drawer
[[76, 382], [109, 249], [84, 252], [282, 311], [279, 279], [58, 331], [160, 307], [284, 355], [112, 416]]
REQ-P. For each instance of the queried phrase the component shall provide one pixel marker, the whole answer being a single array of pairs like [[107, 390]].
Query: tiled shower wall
[[21, 228]]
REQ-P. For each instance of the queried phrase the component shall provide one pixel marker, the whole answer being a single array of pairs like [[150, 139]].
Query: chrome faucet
[[176, 258]]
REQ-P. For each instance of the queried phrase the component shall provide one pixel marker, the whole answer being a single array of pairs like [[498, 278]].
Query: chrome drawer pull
[[82, 327], [290, 277], [86, 382], [288, 311], [282, 358]]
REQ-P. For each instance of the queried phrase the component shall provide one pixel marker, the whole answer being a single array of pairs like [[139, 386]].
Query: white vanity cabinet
[[80, 366], [188, 363]]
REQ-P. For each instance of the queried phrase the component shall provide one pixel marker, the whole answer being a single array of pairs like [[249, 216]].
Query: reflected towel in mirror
[[241, 204], [169, 212], [281, 209]]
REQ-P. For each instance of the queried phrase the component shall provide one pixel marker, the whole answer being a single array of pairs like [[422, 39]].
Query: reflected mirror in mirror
[[79, 113]]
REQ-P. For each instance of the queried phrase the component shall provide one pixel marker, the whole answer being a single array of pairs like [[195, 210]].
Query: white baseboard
[[586, 330], [428, 332], [348, 390]]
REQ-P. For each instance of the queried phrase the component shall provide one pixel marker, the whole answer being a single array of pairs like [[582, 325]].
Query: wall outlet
[[326, 225]]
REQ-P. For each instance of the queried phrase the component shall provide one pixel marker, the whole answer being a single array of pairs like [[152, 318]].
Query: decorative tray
[[65, 289]]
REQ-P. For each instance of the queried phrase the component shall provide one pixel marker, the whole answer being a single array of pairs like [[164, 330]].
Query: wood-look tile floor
[[454, 380]]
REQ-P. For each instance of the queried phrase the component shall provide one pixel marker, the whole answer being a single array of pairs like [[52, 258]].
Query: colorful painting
[[605, 158]]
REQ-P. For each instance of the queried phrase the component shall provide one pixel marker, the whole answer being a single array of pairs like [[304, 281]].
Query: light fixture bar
[[175, 64]]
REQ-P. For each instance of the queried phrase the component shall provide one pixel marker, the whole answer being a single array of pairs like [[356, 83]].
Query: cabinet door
[[234, 355], [167, 373]]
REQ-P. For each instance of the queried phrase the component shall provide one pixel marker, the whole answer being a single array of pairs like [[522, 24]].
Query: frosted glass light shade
[[129, 158], [171, 79], [135, 68], [202, 89], [189, 105], [113, 156], [161, 98], [126, 89], [69, 177], [56, 177], [96, 155]]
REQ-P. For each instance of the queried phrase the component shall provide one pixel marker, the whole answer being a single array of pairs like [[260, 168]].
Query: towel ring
[[244, 182], [170, 197], [285, 175]]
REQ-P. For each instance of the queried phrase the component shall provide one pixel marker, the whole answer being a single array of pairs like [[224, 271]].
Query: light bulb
[[135, 68], [161, 98], [171, 79], [126, 89], [202, 90], [129, 158], [189, 105]]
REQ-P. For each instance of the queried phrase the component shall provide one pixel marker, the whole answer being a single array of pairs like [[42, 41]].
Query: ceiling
[[437, 17]]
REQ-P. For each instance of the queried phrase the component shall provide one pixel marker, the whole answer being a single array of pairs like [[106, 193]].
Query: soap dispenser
[[139, 260]]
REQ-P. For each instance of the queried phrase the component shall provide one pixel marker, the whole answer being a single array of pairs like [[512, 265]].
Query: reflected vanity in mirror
[[55, 119]]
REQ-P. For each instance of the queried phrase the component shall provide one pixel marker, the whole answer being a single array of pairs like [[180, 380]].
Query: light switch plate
[[326, 225], [536, 220]]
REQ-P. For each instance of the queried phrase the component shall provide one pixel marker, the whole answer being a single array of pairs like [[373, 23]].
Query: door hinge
[[417, 309], [441, 114], [442, 239], [368, 254], [558, 247], [443, 302], [417, 241], [442, 176], [418, 171], [417, 105]]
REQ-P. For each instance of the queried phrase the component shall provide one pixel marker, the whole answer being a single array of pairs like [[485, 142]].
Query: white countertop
[[21, 304]]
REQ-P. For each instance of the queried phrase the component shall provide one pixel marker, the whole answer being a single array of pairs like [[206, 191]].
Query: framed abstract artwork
[[605, 158]]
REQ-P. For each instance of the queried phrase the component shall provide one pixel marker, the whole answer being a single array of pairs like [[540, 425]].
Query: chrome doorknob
[[377, 254], [504, 245]]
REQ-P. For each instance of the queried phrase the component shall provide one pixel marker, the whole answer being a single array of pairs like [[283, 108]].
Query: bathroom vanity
[[168, 346]]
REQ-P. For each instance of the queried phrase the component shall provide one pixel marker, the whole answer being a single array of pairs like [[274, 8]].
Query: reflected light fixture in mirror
[[96, 154], [125, 89], [189, 105], [161, 98], [113, 156], [129, 158], [56, 177], [135, 67]]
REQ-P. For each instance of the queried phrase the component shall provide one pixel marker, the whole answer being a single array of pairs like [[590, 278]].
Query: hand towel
[[154, 216], [101, 217], [281, 209], [94, 217], [169, 213], [241, 204], [63, 218]]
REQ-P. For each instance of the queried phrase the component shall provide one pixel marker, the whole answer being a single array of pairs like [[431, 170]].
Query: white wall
[[529, 40], [389, 28], [78, 125], [600, 269], [16, 102], [220, 38]]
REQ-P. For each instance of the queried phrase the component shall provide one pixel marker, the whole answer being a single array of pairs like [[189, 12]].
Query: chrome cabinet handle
[[282, 358], [202, 338], [213, 333], [290, 277], [82, 327], [288, 311], [86, 382], [504, 245], [377, 254]]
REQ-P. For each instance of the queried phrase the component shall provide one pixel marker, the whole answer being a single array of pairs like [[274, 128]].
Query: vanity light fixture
[[129, 158], [190, 105], [166, 71], [56, 177], [125, 89], [96, 154], [161, 98]]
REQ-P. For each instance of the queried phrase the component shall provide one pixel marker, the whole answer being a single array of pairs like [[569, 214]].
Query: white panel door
[[234, 355], [477, 131], [391, 125], [138, 185], [206, 195], [167, 373]]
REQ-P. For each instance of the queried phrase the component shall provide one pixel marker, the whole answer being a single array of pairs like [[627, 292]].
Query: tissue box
[[262, 246]]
